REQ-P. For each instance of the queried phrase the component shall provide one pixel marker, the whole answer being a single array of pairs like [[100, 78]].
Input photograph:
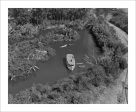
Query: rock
[[70, 60]]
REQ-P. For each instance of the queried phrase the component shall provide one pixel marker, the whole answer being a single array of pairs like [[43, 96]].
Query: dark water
[[55, 69]]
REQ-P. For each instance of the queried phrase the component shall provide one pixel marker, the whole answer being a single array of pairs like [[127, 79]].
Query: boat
[[70, 61]]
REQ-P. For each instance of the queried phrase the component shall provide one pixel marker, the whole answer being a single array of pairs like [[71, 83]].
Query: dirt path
[[124, 75], [117, 93]]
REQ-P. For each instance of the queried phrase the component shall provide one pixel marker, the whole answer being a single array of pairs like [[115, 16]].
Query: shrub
[[77, 98], [120, 19]]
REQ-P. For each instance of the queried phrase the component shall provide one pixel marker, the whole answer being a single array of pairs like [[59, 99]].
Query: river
[[55, 68]]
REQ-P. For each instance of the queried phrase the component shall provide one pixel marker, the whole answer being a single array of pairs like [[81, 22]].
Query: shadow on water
[[64, 62], [55, 68], [65, 65]]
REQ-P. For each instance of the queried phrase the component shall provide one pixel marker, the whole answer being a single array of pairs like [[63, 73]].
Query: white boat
[[70, 60]]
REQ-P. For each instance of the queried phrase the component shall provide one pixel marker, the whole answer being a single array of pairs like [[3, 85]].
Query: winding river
[[55, 68]]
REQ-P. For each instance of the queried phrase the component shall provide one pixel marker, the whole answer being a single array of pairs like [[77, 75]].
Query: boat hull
[[70, 61]]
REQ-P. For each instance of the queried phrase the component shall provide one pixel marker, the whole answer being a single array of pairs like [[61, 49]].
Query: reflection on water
[[55, 68]]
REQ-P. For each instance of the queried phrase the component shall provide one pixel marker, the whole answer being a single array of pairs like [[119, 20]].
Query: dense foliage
[[118, 17], [113, 50], [25, 38], [38, 15]]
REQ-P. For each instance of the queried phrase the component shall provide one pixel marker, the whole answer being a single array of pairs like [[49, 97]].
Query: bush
[[120, 19], [77, 98]]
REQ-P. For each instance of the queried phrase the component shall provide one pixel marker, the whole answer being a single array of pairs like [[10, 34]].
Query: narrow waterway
[[55, 68]]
